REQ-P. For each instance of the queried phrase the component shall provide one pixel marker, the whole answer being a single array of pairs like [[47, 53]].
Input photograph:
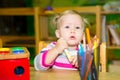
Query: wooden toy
[[14, 63]]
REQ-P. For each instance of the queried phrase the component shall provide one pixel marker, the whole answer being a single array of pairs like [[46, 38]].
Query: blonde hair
[[57, 18]]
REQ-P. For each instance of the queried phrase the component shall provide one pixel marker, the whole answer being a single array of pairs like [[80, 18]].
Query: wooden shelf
[[113, 47], [25, 41], [110, 46], [11, 41], [109, 12], [16, 11]]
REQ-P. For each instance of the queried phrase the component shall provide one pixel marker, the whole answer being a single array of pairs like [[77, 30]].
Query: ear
[[57, 33]]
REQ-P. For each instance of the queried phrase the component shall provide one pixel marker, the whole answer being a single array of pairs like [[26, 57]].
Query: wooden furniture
[[105, 47], [103, 57], [9, 41], [113, 74], [0, 43], [17, 55]]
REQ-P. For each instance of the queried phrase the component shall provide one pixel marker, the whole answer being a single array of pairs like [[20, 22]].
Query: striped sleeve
[[39, 61]]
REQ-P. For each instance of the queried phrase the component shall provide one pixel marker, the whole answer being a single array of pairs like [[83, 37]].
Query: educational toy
[[14, 64]]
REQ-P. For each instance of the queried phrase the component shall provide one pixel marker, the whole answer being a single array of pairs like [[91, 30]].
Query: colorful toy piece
[[49, 10], [68, 54], [17, 50], [14, 64], [4, 50]]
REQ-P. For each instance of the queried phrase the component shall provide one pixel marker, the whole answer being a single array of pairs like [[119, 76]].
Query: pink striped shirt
[[61, 62]]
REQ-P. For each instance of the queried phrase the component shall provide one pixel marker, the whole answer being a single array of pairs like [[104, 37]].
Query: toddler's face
[[71, 29]]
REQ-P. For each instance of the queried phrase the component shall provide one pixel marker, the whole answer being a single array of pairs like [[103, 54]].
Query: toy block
[[14, 63]]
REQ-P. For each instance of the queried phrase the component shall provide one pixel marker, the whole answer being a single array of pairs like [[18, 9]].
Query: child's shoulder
[[51, 44]]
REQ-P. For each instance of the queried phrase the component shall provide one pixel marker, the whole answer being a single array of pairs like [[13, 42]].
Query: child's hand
[[74, 60], [61, 45]]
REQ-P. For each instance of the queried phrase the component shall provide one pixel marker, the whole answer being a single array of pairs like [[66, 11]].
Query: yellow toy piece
[[68, 54]]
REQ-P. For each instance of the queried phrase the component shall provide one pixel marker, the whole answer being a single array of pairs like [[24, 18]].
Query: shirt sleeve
[[39, 61]]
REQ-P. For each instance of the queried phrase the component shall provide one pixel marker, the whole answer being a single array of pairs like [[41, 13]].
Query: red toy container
[[15, 66]]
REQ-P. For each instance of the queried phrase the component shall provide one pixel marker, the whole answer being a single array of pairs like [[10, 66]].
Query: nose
[[72, 30]]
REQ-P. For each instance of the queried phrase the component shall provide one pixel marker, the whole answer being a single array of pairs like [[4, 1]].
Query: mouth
[[72, 37]]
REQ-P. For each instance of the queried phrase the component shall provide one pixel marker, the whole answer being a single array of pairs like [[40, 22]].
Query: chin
[[73, 44]]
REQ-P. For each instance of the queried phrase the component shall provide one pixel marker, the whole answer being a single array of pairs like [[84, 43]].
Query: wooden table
[[113, 74]]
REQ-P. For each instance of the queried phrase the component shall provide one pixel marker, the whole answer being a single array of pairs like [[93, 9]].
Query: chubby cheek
[[78, 40], [64, 34], [79, 37]]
